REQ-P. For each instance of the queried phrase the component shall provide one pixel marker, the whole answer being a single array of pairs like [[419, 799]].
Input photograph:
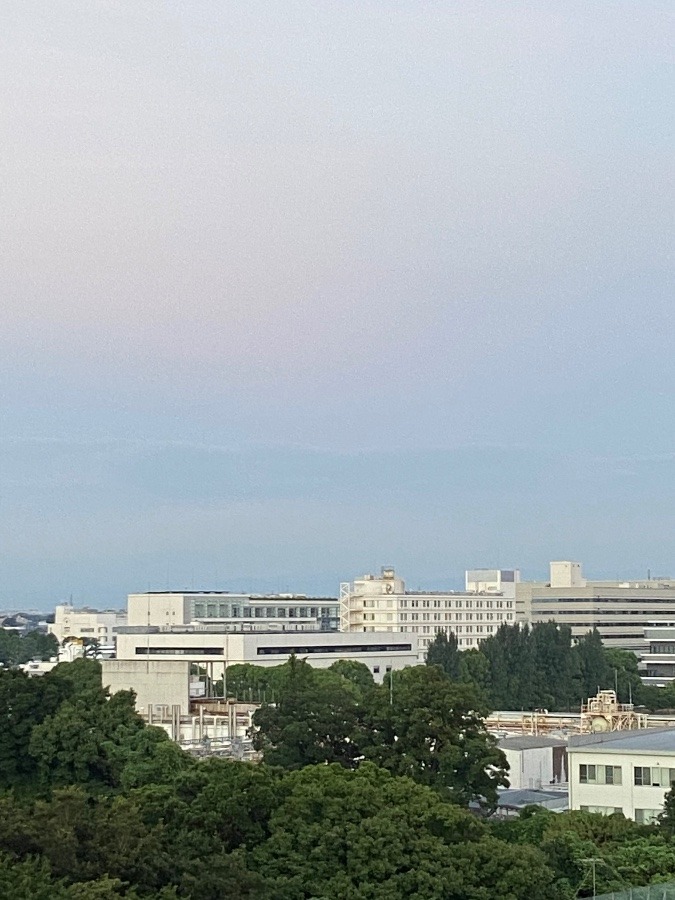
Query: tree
[[357, 673], [88, 739], [594, 672], [431, 729], [443, 652], [368, 834], [314, 720]]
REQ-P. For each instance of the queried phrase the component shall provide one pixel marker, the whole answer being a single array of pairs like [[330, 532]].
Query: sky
[[293, 290]]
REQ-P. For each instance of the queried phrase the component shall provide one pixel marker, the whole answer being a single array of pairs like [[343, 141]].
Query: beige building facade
[[382, 604], [620, 610]]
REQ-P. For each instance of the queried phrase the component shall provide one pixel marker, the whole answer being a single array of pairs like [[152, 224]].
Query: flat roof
[[530, 741], [640, 741]]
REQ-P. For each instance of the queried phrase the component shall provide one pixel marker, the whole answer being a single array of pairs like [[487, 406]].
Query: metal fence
[[648, 892]]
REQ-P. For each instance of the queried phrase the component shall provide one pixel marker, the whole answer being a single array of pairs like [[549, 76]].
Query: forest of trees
[[362, 794]]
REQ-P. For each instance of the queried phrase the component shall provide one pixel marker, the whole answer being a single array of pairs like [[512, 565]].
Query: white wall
[[156, 682], [628, 796], [531, 767]]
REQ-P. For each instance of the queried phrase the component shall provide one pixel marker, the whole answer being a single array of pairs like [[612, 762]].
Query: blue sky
[[292, 290]]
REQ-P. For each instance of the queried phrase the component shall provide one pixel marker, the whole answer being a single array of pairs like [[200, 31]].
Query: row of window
[[599, 774], [459, 617], [227, 611], [642, 816], [643, 776], [452, 604]]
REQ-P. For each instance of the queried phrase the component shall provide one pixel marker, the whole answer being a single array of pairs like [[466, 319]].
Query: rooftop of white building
[[647, 740]]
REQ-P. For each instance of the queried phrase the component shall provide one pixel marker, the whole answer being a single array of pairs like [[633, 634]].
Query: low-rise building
[[382, 604], [234, 612], [214, 647], [86, 623], [626, 772]]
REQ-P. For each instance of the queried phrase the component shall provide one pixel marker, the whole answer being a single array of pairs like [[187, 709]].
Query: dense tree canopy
[[366, 798], [540, 667]]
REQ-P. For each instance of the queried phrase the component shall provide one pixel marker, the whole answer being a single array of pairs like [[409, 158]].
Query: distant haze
[[293, 290]]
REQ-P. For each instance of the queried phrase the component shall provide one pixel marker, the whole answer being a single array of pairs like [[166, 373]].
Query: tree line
[[16, 649], [541, 667], [363, 793]]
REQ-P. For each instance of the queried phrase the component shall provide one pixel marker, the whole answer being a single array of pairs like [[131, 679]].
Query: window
[[603, 810], [654, 776], [612, 774], [647, 816], [343, 648], [599, 774], [587, 774], [376, 670]]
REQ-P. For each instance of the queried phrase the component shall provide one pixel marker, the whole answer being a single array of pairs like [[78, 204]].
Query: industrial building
[[626, 772], [620, 610], [382, 604], [234, 612]]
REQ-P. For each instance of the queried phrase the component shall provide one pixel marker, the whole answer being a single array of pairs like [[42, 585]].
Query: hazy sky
[[292, 290]]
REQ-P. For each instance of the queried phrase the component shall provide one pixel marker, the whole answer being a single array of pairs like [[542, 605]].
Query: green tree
[[367, 834], [87, 740], [314, 720], [431, 729], [357, 673], [443, 652], [594, 671]]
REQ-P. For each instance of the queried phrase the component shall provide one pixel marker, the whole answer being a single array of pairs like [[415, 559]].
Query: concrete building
[[622, 771], [214, 647], [620, 610], [86, 623], [235, 612], [382, 604], [156, 682], [657, 661], [535, 761]]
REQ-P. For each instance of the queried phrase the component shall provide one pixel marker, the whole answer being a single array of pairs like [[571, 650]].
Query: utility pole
[[592, 862]]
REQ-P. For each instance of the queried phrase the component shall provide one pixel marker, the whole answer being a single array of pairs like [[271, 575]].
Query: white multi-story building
[[236, 612], [382, 604], [620, 610], [215, 647], [626, 772], [86, 623]]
